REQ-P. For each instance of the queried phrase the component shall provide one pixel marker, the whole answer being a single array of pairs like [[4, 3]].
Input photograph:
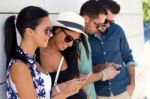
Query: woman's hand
[[69, 88]]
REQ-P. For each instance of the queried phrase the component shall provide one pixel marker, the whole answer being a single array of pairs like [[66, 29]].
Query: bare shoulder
[[19, 67], [19, 70], [21, 76]]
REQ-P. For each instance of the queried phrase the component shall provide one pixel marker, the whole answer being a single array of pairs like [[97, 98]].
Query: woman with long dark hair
[[61, 56], [26, 79]]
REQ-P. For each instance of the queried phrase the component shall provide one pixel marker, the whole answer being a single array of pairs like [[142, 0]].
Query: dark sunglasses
[[109, 21], [98, 25], [69, 38]]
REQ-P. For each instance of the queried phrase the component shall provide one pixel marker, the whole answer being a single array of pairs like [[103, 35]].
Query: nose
[[51, 35]]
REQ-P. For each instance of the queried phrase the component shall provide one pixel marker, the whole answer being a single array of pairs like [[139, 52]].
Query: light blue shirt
[[85, 67]]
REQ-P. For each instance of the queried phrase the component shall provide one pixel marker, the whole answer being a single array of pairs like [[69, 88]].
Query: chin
[[62, 49], [44, 45], [90, 32], [103, 30]]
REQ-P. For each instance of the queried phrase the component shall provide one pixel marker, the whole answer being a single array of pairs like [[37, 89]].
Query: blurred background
[[146, 15], [134, 18], [146, 54]]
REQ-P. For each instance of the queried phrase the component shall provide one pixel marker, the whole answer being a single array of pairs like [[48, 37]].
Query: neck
[[52, 46], [98, 35], [28, 47]]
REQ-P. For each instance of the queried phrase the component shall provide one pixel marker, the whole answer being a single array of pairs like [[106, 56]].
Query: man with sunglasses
[[109, 44], [94, 15]]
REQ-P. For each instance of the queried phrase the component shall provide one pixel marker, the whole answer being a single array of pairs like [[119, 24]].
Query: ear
[[86, 19], [57, 30], [29, 32]]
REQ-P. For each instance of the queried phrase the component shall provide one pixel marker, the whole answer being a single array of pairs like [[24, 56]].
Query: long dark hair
[[71, 54], [29, 17]]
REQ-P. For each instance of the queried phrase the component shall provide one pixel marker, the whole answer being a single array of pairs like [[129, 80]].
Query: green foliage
[[146, 10]]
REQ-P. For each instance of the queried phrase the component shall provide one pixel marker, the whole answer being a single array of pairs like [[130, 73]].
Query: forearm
[[95, 77], [106, 74], [60, 95], [131, 70]]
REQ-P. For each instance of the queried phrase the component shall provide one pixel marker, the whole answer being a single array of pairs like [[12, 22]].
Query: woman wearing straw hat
[[61, 56]]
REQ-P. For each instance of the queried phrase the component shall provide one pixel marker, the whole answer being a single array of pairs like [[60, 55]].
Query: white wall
[[130, 19]]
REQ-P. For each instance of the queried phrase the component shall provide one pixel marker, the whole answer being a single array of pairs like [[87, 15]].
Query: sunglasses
[[109, 21], [69, 38], [48, 32], [98, 25]]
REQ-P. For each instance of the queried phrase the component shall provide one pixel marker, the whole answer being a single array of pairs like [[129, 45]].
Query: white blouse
[[47, 84]]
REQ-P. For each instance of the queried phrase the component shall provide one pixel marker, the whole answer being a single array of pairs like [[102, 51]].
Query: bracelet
[[100, 75], [57, 88]]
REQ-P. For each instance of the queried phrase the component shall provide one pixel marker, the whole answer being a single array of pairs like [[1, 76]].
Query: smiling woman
[[22, 65], [67, 30]]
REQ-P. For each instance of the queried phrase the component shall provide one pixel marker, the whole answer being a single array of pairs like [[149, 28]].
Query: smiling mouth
[[65, 46]]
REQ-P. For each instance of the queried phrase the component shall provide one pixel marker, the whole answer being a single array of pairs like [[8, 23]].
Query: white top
[[47, 84]]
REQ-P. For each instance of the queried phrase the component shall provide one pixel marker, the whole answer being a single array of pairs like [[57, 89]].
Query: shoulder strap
[[58, 71]]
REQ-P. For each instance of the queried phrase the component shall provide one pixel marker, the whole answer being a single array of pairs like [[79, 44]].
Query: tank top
[[42, 82], [66, 75]]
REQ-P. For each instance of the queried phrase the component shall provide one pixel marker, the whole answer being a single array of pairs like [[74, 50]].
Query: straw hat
[[71, 21]]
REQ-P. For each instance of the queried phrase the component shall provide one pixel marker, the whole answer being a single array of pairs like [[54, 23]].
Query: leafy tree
[[146, 11]]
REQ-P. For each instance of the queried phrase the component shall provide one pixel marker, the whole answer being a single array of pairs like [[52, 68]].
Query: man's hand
[[130, 89], [131, 86], [109, 73], [101, 67], [113, 65]]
